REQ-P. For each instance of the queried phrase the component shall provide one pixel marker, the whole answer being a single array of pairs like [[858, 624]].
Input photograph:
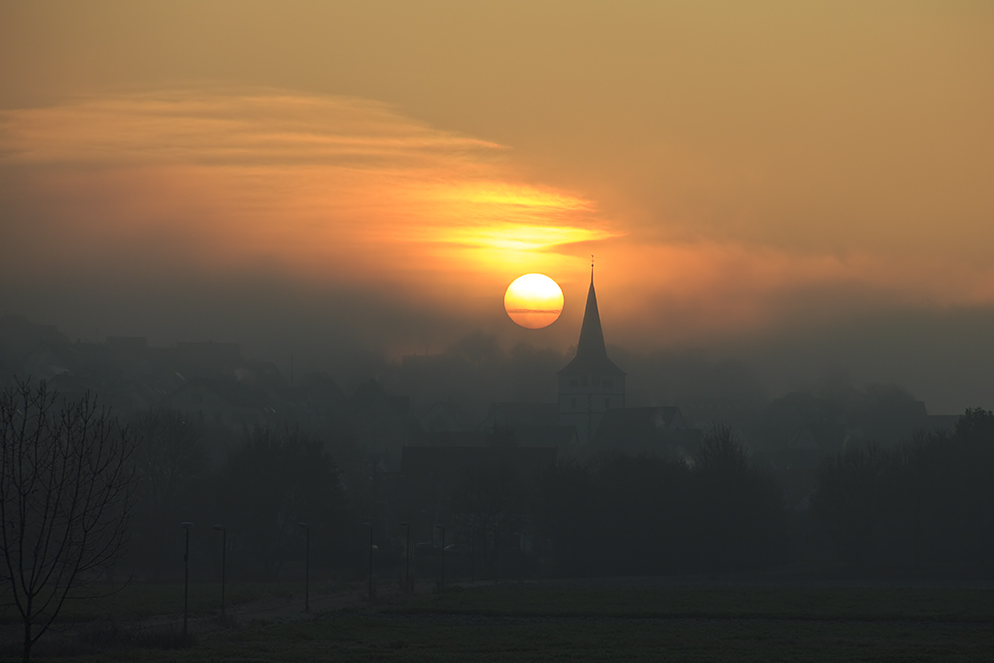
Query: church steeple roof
[[591, 354]]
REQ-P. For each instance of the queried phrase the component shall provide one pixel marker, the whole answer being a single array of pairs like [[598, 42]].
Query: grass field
[[140, 600], [549, 622]]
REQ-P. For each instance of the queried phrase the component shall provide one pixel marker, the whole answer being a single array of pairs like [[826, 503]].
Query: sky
[[804, 186]]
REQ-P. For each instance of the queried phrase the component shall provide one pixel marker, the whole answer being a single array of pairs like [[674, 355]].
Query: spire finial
[[591, 267]]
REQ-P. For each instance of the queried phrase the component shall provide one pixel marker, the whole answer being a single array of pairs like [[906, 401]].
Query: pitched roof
[[446, 438], [591, 354], [646, 430], [444, 416], [543, 436], [453, 464], [516, 415], [232, 392], [639, 422]]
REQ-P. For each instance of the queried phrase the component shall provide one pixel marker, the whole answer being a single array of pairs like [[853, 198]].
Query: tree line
[[622, 515], [925, 508], [83, 496]]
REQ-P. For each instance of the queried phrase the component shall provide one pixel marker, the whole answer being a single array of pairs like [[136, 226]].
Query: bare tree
[[66, 488]]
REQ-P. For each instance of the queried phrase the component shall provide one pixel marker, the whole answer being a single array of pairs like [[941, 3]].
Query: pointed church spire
[[591, 343], [591, 353]]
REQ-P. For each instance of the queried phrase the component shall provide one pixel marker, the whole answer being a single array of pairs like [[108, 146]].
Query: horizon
[[700, 373]]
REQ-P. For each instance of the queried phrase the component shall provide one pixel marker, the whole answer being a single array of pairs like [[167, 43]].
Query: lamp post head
[[186, 524], [304, 525], [404, 525], [219, 528]]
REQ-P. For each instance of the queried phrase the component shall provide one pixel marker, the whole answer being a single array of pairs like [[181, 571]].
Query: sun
[[533, 301]]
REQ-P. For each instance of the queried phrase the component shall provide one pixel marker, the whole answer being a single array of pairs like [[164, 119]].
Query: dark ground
[[612, 620]]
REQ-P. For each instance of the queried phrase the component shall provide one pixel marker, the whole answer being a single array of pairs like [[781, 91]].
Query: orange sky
[[739, 169]]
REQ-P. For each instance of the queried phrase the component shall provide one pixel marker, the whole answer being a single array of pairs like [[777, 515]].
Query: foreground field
[[140, 601], [541, 623]]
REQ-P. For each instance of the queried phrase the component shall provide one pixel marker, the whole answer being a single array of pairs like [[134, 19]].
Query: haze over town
[[261, 303]]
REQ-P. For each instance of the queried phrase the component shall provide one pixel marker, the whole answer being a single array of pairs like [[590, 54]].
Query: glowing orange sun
[[533, 301]]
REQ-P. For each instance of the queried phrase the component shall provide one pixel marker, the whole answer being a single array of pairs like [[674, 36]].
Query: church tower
[[590, 384]]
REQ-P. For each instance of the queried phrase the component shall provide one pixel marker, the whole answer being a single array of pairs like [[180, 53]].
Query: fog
[[252, 265], [943, 358]]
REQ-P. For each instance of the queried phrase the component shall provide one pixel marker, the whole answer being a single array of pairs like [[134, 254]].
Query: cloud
[[346, 195], [332, 190]]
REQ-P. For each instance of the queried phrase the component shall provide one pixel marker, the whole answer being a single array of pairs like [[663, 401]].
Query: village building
[[590, 384], [652, 431]]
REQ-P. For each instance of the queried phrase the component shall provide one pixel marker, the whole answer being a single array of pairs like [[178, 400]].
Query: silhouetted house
[[382, 423], [261, 373], [522, 436], [527, 425], [459, 438], [520, 415], [316, 402], [444, 416], [131, 344], [450, 467], [150, 390], [207, 360], [436, 481], [19, 338], [224, 402], [44, 363], [72, 387], [658, 431], [543, 436], [40, 352], [590, 384], [129, 354]]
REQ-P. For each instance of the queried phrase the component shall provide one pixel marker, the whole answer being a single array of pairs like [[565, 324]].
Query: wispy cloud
[[351, 194], [705, 291], [193, 126], [326, 188]]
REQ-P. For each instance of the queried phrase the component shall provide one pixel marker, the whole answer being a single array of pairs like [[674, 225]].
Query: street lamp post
[[496, 548], [307, 566], [224, 556], [442, 579], [186, 577], [370, 525], [472, 554], [407, 556]]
